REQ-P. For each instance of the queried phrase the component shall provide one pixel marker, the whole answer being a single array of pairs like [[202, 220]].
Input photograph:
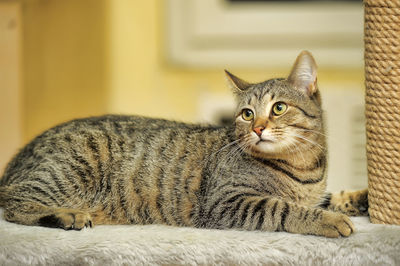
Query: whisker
[[233, 154], [299, 151], [311, 151], [226, 146], [308, 140], [212, 155], [332, 138]]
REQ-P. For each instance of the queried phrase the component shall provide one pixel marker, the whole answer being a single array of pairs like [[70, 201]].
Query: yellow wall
[[141, 81], [10, 80], [88, 57], [64, 62]]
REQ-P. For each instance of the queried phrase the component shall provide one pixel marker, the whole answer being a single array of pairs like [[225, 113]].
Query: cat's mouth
[[263, 145], [264, 141], [267, 143], [266, 138]]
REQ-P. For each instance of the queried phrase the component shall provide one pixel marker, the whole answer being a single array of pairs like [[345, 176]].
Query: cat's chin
[[265, 149], [266, 146]]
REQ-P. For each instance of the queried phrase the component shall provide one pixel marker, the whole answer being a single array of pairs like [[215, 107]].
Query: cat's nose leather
[[258, 130]]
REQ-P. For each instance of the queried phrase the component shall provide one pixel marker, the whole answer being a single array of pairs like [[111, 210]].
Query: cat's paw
[[331, 224], [353, 203], [67, 219]]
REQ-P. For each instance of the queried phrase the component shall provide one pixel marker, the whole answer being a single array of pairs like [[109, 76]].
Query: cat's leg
[[31, 213], [353, 203], [274, 214], [32, 209]]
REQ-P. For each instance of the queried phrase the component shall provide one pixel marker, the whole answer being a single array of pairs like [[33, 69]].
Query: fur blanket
[[156, 244]]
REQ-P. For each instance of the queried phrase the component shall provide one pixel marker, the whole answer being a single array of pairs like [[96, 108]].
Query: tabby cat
[[265, 172]]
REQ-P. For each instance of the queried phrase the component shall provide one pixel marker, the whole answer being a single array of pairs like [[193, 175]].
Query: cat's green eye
[[279, 108], [247, 114]]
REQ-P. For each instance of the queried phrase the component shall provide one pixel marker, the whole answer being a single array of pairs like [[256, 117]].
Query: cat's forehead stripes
[[264, 92], [261, 98]]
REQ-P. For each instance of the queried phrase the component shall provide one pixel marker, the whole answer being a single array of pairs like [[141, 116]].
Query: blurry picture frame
[[217, 33]]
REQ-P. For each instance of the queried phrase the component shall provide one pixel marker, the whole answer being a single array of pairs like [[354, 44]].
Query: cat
[[265, 172]]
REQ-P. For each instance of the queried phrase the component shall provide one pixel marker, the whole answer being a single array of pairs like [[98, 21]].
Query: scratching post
[[382, 80]]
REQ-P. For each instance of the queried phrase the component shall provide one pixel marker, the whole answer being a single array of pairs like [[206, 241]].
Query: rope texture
[[382, 74]]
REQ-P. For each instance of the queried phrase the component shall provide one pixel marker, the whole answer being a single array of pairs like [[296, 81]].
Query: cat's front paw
[[331, 224], [353, 203]]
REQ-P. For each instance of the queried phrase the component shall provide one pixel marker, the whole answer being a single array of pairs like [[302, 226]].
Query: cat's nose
[[258, 130]]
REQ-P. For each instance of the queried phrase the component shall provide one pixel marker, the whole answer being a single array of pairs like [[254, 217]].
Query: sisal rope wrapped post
[[382, 99]]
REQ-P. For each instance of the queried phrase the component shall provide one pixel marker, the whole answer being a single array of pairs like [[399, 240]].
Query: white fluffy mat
[[155, 244]]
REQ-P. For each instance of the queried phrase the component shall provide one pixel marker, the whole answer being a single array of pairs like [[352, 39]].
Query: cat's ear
[[304, 73], [238, 85]]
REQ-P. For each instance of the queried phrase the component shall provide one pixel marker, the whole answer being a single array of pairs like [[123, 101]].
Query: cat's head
[[282, 116]]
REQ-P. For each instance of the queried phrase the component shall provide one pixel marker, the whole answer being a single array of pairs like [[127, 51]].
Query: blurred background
[[61, 60]]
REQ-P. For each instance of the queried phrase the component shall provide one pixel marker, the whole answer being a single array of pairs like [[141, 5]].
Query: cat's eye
[[247, 114], [279, 108]]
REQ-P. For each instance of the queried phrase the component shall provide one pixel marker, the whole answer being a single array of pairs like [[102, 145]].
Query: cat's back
[[99, 144], [124, 125]]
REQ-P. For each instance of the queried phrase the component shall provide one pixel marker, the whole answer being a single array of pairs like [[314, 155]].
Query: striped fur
[[136, 170]]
